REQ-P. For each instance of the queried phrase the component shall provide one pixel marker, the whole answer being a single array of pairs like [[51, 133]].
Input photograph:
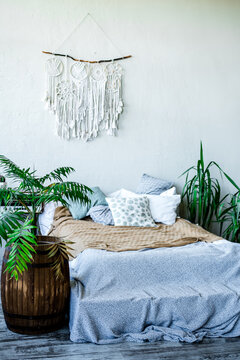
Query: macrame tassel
[[87, 100], [113, 98], [66, 105], [54, 69]]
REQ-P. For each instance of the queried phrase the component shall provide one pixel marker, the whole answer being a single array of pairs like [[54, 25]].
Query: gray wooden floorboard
[[58, 346]]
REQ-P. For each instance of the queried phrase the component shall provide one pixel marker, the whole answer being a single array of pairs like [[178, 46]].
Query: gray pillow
[[151, 185], [101, 214]]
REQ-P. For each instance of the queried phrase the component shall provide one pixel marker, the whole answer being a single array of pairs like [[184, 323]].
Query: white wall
[[182, 85]]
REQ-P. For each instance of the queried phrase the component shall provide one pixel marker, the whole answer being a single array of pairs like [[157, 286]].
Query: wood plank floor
[[58, 346]]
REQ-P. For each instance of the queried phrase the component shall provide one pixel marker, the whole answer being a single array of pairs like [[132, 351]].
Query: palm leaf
[[10, 220], [21, 241], [70, 190], [58, 174], [26, 176], [18, 222], [61, 252]]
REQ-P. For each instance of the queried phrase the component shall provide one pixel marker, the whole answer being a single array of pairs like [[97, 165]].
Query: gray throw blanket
[[178, 294]]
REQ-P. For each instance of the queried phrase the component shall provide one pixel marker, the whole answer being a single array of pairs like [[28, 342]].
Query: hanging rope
[[88, 61]]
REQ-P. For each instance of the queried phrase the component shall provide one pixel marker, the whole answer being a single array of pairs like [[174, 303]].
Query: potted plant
[[202, 192], [35, 275], [228, 217]]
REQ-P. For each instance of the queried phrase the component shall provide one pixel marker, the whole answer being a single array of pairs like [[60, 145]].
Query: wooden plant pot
[[38, 302]]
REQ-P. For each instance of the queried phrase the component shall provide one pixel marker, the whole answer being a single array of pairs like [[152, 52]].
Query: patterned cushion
[[132, 211], [151, 185], [101, 214]]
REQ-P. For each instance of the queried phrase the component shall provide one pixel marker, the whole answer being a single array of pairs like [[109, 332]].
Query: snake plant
[[21, 205]]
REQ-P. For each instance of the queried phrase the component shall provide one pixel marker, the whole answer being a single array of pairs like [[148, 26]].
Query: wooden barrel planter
[[38, 302]]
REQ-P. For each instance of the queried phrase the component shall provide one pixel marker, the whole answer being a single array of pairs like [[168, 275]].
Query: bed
[[185, 287]]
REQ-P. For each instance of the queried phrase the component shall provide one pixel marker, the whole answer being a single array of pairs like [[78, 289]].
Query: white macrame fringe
[[85, 99]]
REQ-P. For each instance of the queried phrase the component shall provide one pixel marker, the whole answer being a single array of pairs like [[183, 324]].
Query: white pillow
[[171, 191], [45, 219], [127, 193], [117, 193], [163, 207]]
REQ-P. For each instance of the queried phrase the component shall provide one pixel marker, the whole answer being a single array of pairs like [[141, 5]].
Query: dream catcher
[[85, 96]]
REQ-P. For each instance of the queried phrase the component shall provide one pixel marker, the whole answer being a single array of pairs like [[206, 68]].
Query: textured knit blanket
[[88, 234], [179, 294]]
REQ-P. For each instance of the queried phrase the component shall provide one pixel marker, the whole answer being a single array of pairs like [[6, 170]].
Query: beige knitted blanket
[[88, 234]]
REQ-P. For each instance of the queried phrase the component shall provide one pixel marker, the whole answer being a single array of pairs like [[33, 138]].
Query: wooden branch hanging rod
[[87, 61]]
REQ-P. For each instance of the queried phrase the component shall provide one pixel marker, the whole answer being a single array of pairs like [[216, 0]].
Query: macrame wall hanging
[[85, 96]]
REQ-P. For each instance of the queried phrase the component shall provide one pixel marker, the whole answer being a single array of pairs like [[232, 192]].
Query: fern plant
[[21, 205], [202, 192]]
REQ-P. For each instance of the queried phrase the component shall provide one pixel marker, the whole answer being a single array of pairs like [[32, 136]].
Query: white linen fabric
[[131, 211], [163, 207], [45, 219]]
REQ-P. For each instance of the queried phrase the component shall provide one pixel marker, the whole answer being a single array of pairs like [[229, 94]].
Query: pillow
[[79, 210], [118, 193], [101, 214], [169, 192], [131, 211], [151, 185], [45, 219], [127, 193], [163, 207]]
